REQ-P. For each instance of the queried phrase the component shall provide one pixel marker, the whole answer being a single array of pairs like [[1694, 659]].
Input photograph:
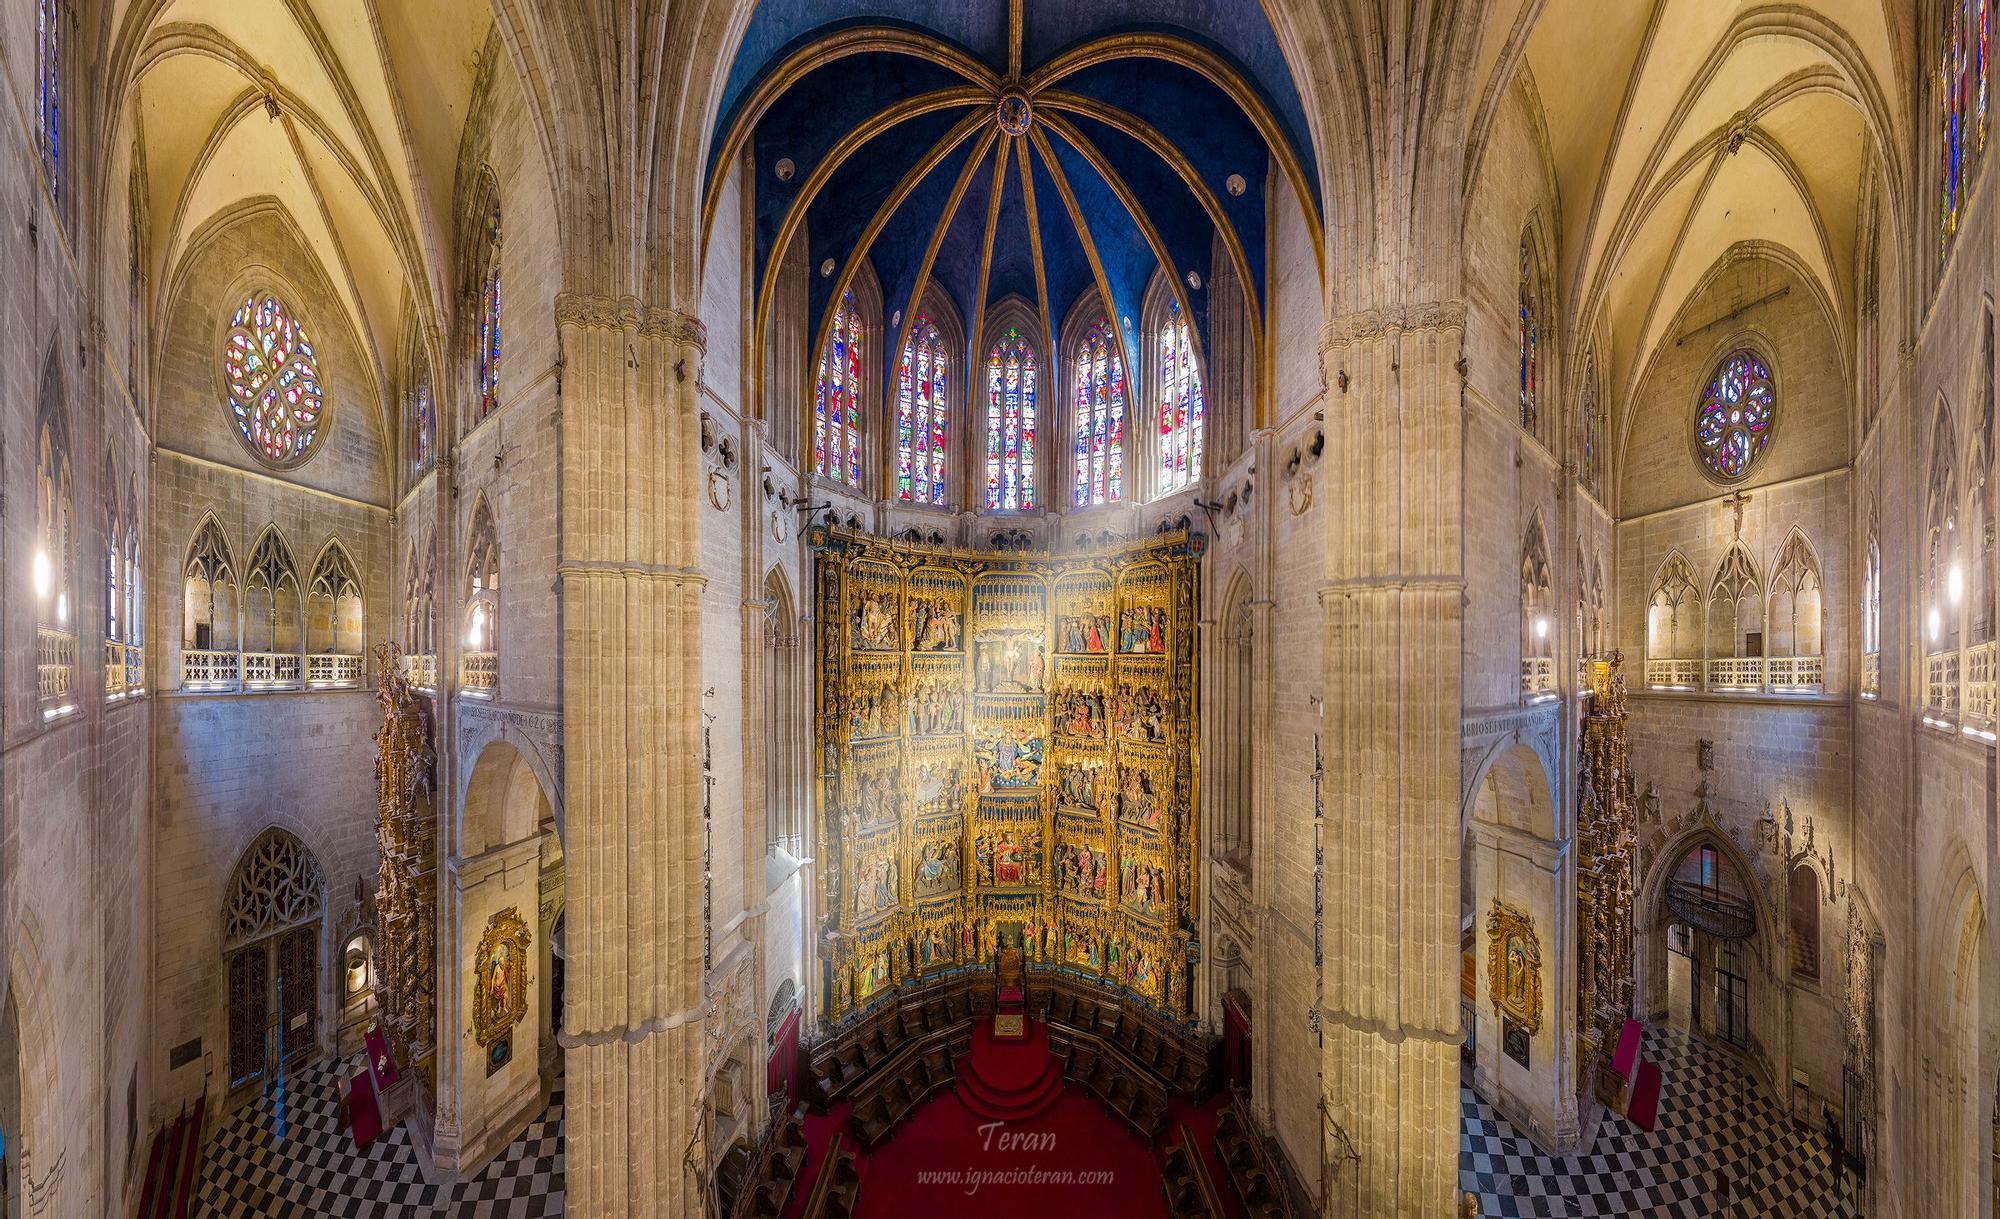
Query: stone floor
[[1713, 1118], [248, 1171]]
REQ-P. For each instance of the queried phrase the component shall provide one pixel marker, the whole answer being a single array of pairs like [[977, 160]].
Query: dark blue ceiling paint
[[1236, 30], [1178, 217], [1013, 253], [1063, 259], [956, 271], [1127, 258], [857, 190], [899, 249], [1215, 137]]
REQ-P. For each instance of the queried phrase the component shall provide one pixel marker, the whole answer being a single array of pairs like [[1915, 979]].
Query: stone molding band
[[1368, 324], [666, 572], [631, 1034], [1390, 584], [629, 313]]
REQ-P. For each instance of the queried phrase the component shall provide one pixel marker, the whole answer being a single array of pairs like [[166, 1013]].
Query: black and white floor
[[248, 1171], [1711, 1117], [1713, 1121]]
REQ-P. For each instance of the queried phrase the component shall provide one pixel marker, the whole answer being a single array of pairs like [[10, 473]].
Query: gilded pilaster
[[631, 628]]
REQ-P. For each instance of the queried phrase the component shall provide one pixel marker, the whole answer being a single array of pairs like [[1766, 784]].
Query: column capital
[[1363, 325], [593, 312]]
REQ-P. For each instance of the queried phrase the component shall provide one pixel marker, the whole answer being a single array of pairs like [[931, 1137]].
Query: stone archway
[[273, 918]]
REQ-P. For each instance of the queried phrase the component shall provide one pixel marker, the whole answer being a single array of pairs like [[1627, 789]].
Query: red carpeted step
[[152, 1172], [190, 1160], [1017, 1106], [1009, 1081]]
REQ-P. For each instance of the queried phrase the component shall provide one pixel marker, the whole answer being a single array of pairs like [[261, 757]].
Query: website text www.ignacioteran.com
[[995, 1137]]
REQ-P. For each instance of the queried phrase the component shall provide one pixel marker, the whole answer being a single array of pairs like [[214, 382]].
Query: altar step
[[1009, 1081]]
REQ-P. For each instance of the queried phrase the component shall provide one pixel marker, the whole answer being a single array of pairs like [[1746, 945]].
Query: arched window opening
[[270, 935], [479, 664], [1538, 670], [1674, 627], [419, 417], [1100, 417], [55, 550], [272, 374], [334, 638], [420, 619], [1591, 468], [1010, 424], [1736, 623], [1530, 337], [273, 617], [922, 377], [1978, 490], [135, 602], [1713, 915], [1234, 782], [785, 748], [1871, 617], [486, 357], [1944, 574], [208, 611], [837, 398], [1732, 427], [1961, 108], [1804, 909], [113, 569], [1797, 619], [1183, 409], [52, 39]]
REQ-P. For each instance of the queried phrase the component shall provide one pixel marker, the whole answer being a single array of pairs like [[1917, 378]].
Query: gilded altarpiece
[[1007, 758], [406, 881], [1606, 842]]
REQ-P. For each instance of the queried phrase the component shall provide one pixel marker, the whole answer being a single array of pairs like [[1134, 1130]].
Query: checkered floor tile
[[314, 1170], [1713, 1121]]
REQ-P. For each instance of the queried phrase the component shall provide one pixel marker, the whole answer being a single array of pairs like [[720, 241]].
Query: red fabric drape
[[783, 1072]]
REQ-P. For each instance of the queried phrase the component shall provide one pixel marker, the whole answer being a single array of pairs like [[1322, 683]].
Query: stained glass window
[[1100, 418], [1733, 425], [488, 358], [421, 419], [1531, 339], [273, 379], [1183, 412], [1593, 429], [837, 399], [1010, 423], [920, 415], [1961, 99], [48, 99]]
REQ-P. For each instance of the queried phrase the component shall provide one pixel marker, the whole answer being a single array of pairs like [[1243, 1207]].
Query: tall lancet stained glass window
[[48, 100], [1183, 411], [487, 363], [1531, 341], [1010, 423], [920, 407], [273, 380], [1961, 107], [837, 399], [1100, 418]]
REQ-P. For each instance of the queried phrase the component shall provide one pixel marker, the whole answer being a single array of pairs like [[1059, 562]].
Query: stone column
[[1394, 606], [631, 640]]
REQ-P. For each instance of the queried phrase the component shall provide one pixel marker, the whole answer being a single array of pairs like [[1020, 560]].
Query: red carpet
[[1004, 1080]]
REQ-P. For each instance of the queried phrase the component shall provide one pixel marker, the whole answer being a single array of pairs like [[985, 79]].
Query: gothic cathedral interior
[[838, 609]]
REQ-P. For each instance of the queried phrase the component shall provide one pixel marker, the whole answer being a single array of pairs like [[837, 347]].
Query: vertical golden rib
[[1014, 39], [922, 281], [1053, 355], [1089, 253]]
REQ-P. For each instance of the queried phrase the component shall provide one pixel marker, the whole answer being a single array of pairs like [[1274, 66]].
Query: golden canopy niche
[[1006, 749]]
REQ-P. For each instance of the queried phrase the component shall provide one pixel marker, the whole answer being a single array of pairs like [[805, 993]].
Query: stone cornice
[[1366, 324]]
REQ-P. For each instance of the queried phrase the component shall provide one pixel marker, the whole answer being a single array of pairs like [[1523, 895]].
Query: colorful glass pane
[[1100, 417], [489, 324], [1530, 341], [920, 418], [836, 399], [1010, 423], [1961, 88], [1593, 429], [1733, 425], [48, 99], [273, 380], [1183, 410]]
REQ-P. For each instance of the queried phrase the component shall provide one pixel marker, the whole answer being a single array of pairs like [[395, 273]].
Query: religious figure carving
[[1514, 966]]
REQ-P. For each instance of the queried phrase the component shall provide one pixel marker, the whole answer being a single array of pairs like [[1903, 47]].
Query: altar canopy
[[1008, 759]]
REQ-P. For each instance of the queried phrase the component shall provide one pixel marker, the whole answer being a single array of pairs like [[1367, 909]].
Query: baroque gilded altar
[[1605, 856], [406, 881]]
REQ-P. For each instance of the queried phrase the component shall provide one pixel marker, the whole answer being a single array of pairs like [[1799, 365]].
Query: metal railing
[[209, 670], [1538, 677], [55, 665], [333, 670], [479, 673], [1871, 675]]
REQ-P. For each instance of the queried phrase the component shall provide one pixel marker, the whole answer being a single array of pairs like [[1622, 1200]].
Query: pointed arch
[[1013, 379], [1532, 333], [479, 260], [1674, 615], [55, 543], [272, 921], [209, 605], [786, 746], [1796, 610], [1979, 532], [1233, 782], [927, 394], [273, 614], [335, 634], [479, 666], [1098, 402], [1735, 615], [1537, 626], [1941, 540], [1177, 399]]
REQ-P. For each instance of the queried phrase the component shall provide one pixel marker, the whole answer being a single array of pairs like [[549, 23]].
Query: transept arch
[[272, 921], [507, 794]]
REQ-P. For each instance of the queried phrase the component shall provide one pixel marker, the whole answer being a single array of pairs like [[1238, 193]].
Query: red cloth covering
[[1630, 1038], [365, 1115], [1645, 1103], [379, 1061]]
